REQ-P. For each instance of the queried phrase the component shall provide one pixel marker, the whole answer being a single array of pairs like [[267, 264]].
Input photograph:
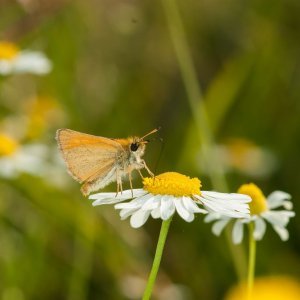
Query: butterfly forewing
[[87, 156]]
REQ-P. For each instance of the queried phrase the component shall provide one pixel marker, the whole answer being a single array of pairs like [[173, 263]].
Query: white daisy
[[16, 158], [166, 193], [262, 209], [13, 60], [35, 159]]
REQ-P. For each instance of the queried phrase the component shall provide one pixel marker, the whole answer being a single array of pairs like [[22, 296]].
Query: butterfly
[[96, 161]]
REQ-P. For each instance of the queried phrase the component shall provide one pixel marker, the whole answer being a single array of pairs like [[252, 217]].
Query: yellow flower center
[[268, 288], [7, 145], [8, 50], [258, 203], [172, 183]]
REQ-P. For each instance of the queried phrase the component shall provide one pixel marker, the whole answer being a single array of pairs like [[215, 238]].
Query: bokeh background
[[115, 74]]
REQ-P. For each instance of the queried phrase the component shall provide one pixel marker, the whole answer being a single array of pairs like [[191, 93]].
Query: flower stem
[[251, 261], [157, 258]]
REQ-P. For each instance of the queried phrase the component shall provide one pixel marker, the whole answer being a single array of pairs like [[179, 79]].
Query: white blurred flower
[[244, 156], [14, 61], [262, 209], [34, 159], [169, 192], [16, 159]]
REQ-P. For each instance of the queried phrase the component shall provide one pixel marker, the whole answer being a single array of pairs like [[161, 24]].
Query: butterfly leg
[[119, 183], [130, 182], [117, 190], [140, 173], [148, 170]]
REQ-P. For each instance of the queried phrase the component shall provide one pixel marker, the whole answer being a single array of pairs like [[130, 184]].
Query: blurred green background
[[115, 74]]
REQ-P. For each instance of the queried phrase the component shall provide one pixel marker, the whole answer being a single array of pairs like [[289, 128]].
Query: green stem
[[251, 261], [238, 255], [157, 258]]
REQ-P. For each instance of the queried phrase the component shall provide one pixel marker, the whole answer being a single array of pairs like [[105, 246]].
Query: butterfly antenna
[[151, 132]]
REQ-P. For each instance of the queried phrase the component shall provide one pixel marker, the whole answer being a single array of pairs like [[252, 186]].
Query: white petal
[[135, 203], [237, 232], [139, 218], [280, 218], [155, 213], [259, 229], [32, 62], [223, 203], [219, 226], [125, 213], [225, 200], [228, 196], [182, 211], [135, 192], [152, 203], [112, 200], [225, 207], [167, 207], [124, 195], [288, 205], [282, 232], [212, 217], [191, 206], [277, 198], [100, 196], [6, 67]]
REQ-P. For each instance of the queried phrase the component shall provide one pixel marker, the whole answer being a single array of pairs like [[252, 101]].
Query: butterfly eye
[[134, 147]]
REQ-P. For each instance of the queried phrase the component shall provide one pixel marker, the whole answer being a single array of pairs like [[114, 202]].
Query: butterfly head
[[137, 146]]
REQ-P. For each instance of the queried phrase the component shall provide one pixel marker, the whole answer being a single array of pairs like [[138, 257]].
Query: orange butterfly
[[97, 161]]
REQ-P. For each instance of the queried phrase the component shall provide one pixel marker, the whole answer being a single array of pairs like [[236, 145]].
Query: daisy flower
[[13, 60], [262, 210], [16, 158], [171, 192], [244, 156], [35, 159]]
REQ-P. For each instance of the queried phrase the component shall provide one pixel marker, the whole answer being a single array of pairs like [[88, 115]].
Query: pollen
[[7, 145], [258, 203], [8, 50], [172, 183]]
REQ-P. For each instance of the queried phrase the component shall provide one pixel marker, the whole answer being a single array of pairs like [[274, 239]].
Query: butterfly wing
[[88, 157]]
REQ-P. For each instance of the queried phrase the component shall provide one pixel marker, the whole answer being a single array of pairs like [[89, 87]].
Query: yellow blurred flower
[[8, 51], [8, 145], [259, 203], [268, 288], [42, 113]]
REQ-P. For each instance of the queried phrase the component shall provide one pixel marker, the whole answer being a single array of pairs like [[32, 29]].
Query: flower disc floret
[[172, 183], [258, 204]]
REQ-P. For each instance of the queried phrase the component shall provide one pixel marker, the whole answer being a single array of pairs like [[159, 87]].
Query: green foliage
[[115, 74]]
